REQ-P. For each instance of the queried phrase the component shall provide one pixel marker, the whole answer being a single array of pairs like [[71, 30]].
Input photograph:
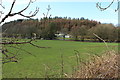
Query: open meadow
[[47, 61]]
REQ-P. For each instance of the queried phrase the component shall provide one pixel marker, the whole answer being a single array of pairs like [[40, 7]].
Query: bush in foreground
[[105, 66]]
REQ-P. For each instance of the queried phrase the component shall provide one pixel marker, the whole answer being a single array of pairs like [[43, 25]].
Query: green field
[[48, 60]]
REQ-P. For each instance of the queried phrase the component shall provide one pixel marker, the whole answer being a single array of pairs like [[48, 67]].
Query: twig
[[101, 39], [98, 5], [22, 50], [62, 66], [37, 45]]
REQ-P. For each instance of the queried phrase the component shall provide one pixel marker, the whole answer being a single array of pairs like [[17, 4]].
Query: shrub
[[104, 66]]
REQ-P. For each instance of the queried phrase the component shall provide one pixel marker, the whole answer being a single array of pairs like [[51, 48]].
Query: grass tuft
[[104, 66]]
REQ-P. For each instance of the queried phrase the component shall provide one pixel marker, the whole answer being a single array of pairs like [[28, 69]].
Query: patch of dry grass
[[104, 66]]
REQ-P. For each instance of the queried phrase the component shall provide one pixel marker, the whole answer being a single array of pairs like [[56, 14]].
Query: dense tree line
[[46, 28]]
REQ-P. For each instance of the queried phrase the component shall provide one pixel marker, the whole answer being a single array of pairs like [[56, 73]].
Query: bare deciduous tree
[[9, 14], [7, 55]]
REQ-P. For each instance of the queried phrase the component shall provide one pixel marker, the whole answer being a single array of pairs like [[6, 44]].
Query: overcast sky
[[69, 8]]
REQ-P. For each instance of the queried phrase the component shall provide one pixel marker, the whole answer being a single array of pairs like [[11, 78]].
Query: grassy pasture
[[48, 60]]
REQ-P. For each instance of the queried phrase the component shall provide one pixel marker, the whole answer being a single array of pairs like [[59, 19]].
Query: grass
[[105, 66], [47, 61]]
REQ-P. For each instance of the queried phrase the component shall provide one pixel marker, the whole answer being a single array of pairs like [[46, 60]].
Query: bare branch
[[118, 6], [12, 7], [98, 5], [22, 50], [8, 56], [38, 46], [26, 42], [1, 4], [101, 39], [48, 9], [1, 12], [36, 11], [11, 42], [4, 52], [20, 12]]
